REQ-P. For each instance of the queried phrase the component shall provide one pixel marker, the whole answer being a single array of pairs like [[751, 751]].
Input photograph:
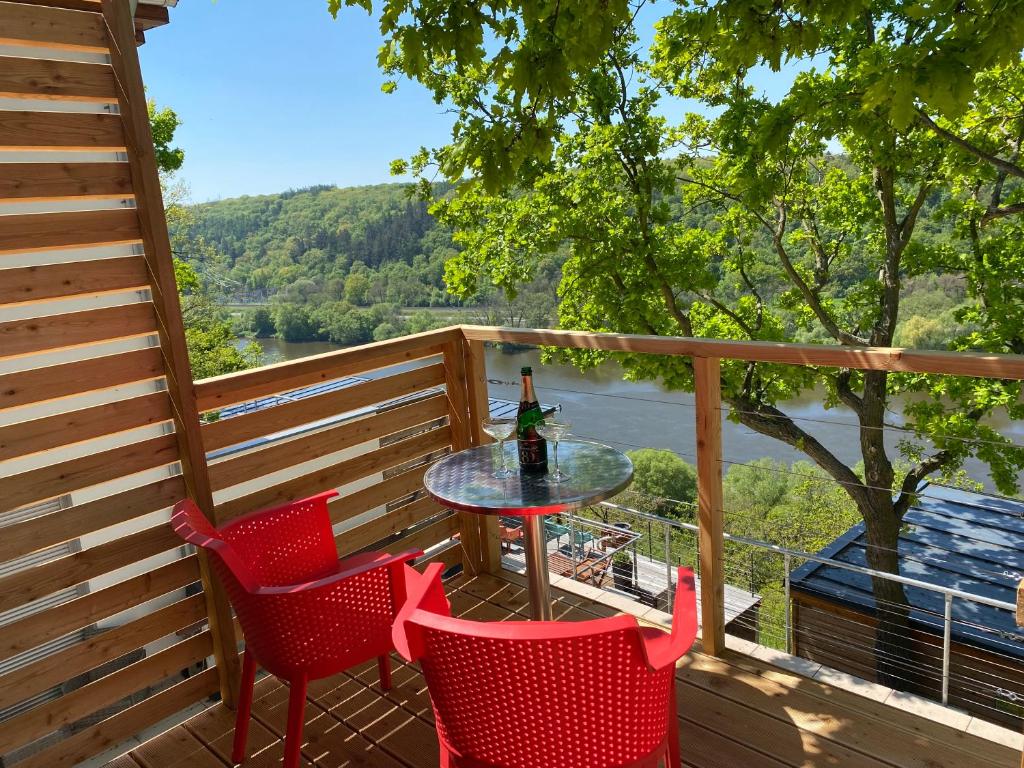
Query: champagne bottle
[[533, 449]]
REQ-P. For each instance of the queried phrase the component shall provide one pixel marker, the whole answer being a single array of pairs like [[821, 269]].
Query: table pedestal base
[[537, 568]]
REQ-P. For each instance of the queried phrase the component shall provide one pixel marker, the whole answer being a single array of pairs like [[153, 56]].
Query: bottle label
[[533, 454]]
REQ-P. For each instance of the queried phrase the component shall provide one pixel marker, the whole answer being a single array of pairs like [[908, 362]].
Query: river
[[602, 406]]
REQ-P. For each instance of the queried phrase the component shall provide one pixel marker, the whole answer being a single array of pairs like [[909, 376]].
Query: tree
[[668, 481], [802, 246], [262, 323]]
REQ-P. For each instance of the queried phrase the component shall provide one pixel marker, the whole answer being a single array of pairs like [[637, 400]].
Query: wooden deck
[[735, 712]]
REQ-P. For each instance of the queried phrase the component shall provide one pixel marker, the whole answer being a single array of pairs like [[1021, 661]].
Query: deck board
[[734, 711]]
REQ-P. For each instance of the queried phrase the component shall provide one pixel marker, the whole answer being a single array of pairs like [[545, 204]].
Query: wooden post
[[480, 409], [707, 383], [159, 262], [458, 420]]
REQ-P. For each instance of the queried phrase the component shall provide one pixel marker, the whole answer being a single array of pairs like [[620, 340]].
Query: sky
[[275, 95], [278, 95]]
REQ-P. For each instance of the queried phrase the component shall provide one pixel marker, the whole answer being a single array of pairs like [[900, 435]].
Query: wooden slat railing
[[98, 426], [371, 439]]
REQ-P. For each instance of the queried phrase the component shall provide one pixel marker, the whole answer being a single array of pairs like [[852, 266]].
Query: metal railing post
[[668, 566], [788, 608], [947, 631]]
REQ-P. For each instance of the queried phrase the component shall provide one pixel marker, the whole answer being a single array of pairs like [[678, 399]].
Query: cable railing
[[799, 573], [660, 543]]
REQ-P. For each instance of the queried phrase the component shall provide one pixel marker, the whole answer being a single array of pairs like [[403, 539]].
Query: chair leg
[[296, 714], [384, 670], [244, 708]]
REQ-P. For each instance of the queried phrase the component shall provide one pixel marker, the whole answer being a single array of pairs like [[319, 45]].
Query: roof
[[956, 539]]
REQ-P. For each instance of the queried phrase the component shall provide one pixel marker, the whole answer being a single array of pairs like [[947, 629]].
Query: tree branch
[[998, 213], [999, 163], [811, 297], [770, 421]]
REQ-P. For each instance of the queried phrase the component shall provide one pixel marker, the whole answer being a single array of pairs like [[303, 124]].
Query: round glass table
[[465, 481]]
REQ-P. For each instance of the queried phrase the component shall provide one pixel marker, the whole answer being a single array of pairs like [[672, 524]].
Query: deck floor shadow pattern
[[735, 712]]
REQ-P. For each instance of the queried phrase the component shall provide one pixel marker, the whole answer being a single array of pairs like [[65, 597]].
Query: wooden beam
[[53, 480], [30, 232], [386, 525], [27, 633], [93, 739], [231, 388], [708, 397], [340, 474], [153, 225], [30, 584], [377, 495], [100, 277], [237, 429], [52, 670], [862, 358], [53, 382], [31, 182], [47, 79], [471, 526], [22, 24], [288, 453], [25, 438], [76, 329], [25, 130], [82, 702], [88, 517], [480, 409]]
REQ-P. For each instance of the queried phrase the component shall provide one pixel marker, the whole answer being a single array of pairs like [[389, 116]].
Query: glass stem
[[557, 473], [501, 449]]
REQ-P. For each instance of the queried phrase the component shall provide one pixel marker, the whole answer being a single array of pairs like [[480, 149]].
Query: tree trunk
[[896, 662]]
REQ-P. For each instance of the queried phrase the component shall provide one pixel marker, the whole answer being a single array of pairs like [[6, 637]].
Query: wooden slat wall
[[82, 419]]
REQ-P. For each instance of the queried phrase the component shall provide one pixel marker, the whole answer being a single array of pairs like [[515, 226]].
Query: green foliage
[[332, 250], [739, 223], [263, 323], [163, 123], [665, 479]]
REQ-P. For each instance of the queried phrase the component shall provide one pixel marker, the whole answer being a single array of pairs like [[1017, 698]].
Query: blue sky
[[276, 95]]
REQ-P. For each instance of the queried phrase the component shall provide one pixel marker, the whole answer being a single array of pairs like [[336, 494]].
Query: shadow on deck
[[735, 712]]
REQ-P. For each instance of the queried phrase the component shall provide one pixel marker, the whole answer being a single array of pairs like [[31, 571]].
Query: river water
[[602, 406]]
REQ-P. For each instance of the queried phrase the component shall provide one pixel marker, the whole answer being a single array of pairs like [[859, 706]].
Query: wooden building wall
[[982, 683], [102, 619]]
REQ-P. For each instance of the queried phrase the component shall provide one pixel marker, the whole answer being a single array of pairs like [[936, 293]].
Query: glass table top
[[464, 480]]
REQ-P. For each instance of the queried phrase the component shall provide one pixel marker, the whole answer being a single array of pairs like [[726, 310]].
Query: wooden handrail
[[982, 365]]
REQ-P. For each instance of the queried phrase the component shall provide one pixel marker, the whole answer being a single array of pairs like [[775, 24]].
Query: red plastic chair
[[305, 614], [591, 694]]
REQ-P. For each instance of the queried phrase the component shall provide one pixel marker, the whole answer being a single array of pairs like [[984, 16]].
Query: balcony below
[[734, 711]]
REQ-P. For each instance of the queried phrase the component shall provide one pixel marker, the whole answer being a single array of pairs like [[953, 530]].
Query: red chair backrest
[[286, 545], [538, 694]]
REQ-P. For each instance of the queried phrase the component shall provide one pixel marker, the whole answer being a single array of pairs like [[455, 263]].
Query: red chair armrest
[[423, 592], [663, 649], [382, 560]]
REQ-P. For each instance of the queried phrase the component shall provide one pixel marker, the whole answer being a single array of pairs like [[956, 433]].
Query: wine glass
[[555, 431], [501, 430]]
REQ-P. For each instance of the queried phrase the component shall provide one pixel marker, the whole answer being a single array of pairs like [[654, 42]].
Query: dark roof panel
[[951, 538]]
